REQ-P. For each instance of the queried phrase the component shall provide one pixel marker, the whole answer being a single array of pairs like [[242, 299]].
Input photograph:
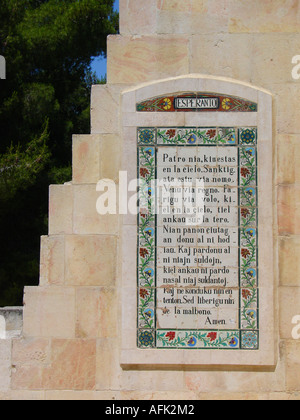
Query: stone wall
[[72, 321], [11, 322]]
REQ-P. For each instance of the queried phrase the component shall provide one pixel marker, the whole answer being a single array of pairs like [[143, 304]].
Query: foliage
[[20, 168], [48, 45]]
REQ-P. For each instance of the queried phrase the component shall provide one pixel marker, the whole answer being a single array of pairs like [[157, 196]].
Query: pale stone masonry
[[71, 342]]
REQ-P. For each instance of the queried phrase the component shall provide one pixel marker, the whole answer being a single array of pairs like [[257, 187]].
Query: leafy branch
[[19, 167]]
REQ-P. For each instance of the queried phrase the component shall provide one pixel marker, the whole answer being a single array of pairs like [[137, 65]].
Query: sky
[[99, 64]]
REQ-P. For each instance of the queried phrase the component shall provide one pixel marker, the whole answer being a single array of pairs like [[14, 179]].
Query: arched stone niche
[[183, 307]]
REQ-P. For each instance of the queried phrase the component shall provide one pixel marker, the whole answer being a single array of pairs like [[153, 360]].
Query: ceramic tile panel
[[197, 281], [204, 272]]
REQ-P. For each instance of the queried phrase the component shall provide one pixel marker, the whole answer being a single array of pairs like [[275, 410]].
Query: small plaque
[[196, 103], [199, 102]]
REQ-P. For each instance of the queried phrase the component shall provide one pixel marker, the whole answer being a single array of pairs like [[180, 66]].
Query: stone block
[[264, 16], [96, 157], [273, 55], [192, 17], [288, 203], [60, 209], [105, 101], [72, 366], [52, 260], [110, 157], [31, 351], [193, 6], [87, 220], [109, 372], [27, 395], [175, 5], [160, 395], [288, 157], [287, 106], [213, 396], [5, 396], [86, 159], [284, 396], [162, 381], [234, 382], [293, 366], [49, 312], [289, 263], [81, 396], [5, 365], [26, 378], [137, 17], [133, 60], [289, 307], [212, 56], [90, 260], [96, 312]]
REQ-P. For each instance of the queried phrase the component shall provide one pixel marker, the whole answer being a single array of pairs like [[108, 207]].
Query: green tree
[[48, 45]]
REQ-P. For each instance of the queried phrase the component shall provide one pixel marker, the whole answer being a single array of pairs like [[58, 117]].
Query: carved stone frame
[[265, 358]]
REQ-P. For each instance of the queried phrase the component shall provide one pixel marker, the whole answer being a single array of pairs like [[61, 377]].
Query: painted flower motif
[[250, 340], [146, 338], [192, 139], [233, 342], [251, 272], [149, 272], [144, 293], [143, 213], [192, 342], [245, 172], [250, 151], [146, 136], [250, 192], [171, 134], [211, 133], [248, 136], [149, 151], [149, 232], [226, 103], [245, 253], [246, 294], [144, 172], [251, 232], [245, 213], [251, 314], [144, 252], [231, 139], [171, 335], [167, 104], [149, 313], [212, 336]]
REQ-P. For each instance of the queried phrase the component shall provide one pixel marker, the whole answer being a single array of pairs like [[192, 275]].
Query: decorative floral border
[[198, 339], [247, 337], [196, 136], [226, 103]]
